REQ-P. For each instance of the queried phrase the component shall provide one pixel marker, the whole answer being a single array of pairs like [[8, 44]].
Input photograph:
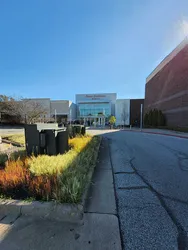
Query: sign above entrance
[[95, 97]]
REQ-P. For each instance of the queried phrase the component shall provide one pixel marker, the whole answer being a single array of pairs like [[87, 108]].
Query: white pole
[[70, 116], [141, 114], [55, 115]]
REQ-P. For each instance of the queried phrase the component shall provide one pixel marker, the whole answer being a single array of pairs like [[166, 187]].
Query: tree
[[146, 119], [154, 118], [112, 120], [31, 111], [21, 110], [161, 119], [124, 114]]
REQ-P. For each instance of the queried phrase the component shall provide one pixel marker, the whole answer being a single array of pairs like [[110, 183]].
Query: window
[[94, 109]]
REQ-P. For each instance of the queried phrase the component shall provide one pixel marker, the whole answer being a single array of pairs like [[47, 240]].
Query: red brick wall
[[168, 90]]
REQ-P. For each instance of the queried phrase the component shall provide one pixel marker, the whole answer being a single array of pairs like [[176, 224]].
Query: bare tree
[[124, 113], [31, 111], [25, 110]]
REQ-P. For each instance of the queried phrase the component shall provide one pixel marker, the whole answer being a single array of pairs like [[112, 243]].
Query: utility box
[[32, 141], [62, 142], [50, 141]]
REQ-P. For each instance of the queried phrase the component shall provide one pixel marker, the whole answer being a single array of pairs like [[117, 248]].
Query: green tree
[[161, 119], [155, 117], [112, 120], [146, 119], [150, 115]]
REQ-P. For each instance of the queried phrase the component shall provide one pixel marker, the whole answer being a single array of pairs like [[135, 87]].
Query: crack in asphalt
[[174, 199], [2, 218], [133, 188], [181, 156], [182, 239], [124, 172], [142, 207]]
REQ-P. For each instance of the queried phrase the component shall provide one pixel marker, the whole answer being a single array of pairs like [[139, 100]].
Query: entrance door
[[99, 121]]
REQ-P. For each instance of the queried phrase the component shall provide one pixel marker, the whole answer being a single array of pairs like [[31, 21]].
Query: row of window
[[96, 112], [94, 109]]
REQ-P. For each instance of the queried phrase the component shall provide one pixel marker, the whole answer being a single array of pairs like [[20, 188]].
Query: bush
[[3, 159], [14, 179], [154, 118], [13, 156], [73, 181], [146, 119], [112, 120], [74, 130]]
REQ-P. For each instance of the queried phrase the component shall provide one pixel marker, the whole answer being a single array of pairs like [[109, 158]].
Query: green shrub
[[83, 131], [154, 118], [78, 130], [112, 120], [12, 156], [74, 130], [3, 159], [73, 181], [146, 119]]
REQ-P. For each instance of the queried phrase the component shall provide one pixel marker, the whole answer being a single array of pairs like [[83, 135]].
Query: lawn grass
[[61, 178], [19, 138]]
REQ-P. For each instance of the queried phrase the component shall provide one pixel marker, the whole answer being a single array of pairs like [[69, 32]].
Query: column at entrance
[[102, 121]]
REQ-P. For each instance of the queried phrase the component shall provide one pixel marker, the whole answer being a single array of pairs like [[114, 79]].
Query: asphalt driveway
[[151, 182]]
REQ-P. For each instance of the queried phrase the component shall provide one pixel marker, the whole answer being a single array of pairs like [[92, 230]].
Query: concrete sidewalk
[[99, 230], [101, 198], [160, 132]]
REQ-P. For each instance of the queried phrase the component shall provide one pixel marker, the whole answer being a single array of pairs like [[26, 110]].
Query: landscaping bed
[[60, 178]]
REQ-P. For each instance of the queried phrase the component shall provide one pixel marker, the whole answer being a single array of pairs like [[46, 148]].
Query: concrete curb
[[49, 210], [90, 175], [157, 133]]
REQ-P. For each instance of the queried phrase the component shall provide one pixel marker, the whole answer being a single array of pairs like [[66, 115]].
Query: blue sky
[[59, 48]]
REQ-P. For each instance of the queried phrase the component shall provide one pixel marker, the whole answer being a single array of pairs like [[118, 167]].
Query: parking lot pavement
[[9, 130]]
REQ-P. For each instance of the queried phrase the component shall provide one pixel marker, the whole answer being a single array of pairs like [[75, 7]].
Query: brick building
[[167, 87]]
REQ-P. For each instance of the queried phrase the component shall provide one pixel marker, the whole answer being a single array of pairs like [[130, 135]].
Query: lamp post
[[141, 112], [55, 115]]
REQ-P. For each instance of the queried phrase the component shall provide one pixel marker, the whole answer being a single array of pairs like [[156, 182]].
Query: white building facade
[[90, 109], [122, 112], [94, 109], [58, 110]]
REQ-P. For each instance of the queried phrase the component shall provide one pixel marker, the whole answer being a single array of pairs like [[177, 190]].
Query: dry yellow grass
[[44, 164], [19, 138]]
